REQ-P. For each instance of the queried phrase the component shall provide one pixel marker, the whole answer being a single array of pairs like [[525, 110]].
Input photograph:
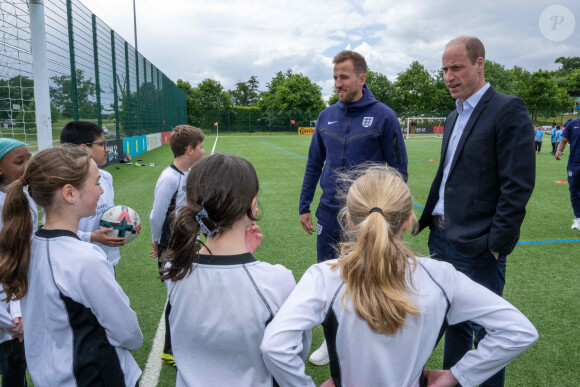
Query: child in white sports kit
[[222, 298], [186, 143], [89, 137], [78, 326], [383, 309], [13, 159]]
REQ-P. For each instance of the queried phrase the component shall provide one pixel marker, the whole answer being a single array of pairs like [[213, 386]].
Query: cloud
[[233, 40]]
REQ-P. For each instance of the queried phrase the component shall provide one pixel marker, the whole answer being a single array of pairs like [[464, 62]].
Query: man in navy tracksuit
[[355, 130], [571, 134]]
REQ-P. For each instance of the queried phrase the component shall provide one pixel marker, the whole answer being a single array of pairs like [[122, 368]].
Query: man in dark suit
[[486, 176]]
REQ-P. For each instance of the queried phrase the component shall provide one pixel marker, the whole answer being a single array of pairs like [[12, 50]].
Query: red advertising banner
[[165, 137]]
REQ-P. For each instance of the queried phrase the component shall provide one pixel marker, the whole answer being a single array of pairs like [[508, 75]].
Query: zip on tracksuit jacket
[[345, 136]]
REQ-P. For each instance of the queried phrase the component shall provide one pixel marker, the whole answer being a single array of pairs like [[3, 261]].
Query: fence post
[[153, 99], [115, 93], [127, 93], [138, 115], [73, 71], [96, 60], [40, 68], [146, 99], [159, 118]]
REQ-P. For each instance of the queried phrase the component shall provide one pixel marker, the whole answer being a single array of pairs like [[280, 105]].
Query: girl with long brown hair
[[383, 309], [78, 326], [221, 297]]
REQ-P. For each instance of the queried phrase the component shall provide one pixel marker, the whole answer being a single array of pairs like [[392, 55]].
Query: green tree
[[416, 89], [18, 90], [442, 101], [569, 63], [61, 94], [267, 97], [501, 79], [186, 87], [522, 79], [246, 93], [565, 76], [208, 95], [563, 103], [573, 82], [291, 91], [382, 89], [333, 99], [28, 113], [540, 93]]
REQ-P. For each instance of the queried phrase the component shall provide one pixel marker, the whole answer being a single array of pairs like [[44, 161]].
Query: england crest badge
[[367, 121]]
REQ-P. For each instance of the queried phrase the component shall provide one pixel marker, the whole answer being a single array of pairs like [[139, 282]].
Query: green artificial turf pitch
[[542, 279]]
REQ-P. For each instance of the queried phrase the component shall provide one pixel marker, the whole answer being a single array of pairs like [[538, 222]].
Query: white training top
[[218, 316], [78, 325], [169, 195], [10, 310], [89, 224], [365, 358]]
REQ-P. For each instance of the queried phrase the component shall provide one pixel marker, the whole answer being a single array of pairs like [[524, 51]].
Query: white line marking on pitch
[[215, 143], [150, 377]]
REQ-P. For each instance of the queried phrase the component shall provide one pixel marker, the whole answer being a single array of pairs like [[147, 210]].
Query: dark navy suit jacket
[[491, 178]]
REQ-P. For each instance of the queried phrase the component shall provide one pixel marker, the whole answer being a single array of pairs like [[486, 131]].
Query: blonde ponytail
[[375, 263]]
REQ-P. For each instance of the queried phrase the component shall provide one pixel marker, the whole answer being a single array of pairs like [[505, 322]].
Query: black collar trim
[[177, 169], [225, 260], [42, 233]]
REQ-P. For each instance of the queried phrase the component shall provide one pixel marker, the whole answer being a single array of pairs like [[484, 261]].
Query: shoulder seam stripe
[[258, 291], [436, 283]]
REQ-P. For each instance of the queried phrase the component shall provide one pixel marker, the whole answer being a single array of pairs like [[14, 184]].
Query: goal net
[[17, 112], [421, 127]]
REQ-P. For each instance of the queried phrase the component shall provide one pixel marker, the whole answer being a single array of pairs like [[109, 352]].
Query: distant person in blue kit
[[559, 138], [539, 135], [486, 176], [571, 134], [554, 138], [355, 130]]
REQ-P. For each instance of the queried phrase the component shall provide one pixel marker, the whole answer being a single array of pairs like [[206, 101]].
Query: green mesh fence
[[95, 75], [257, 121]]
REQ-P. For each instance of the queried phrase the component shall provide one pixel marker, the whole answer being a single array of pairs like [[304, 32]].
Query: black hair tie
[[376, 209]]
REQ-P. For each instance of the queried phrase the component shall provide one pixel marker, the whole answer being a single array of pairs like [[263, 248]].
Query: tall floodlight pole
[[40, 70], [135, 24]]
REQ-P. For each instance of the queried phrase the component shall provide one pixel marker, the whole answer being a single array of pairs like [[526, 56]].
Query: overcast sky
[[233, 40]]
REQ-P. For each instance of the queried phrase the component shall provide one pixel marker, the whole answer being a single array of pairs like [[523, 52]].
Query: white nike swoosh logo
[[331, 122]]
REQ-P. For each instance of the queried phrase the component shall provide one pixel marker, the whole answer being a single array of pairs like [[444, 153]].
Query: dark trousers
[[328, 234], [167, 344], [486, 271], [13, 363], [538, 146], [554, 148], [574, 186]]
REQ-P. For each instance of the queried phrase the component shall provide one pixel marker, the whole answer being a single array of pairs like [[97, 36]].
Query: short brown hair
[[358, 61], [473, 46], [184, 136]]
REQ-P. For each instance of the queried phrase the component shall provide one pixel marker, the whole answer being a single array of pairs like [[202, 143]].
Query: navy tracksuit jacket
[[347, 135]]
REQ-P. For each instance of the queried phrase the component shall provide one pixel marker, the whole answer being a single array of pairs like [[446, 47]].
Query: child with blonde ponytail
[[383, 309]]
